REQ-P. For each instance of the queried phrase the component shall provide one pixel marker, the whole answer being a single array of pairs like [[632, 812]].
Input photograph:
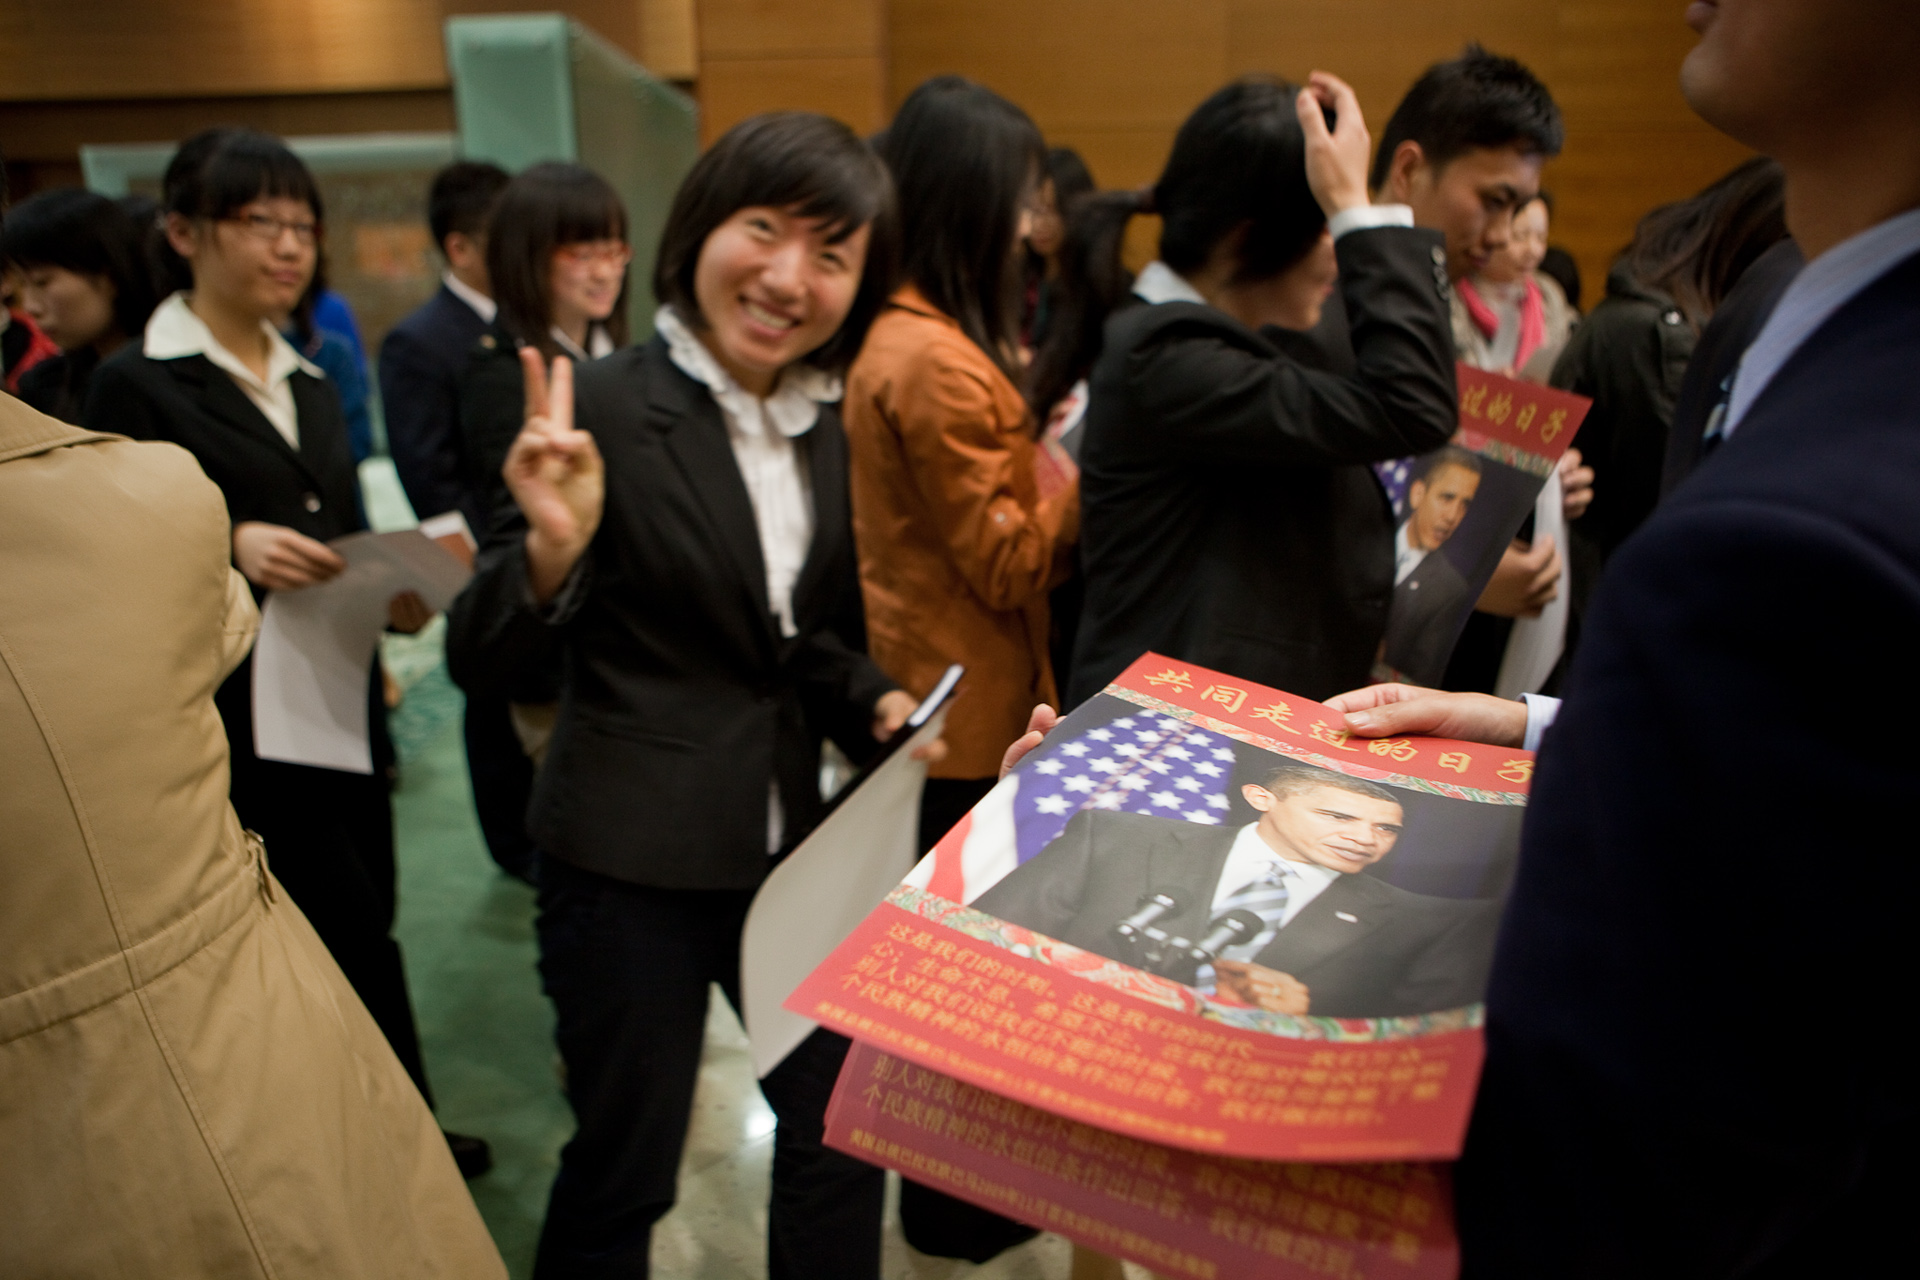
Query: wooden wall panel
[[96, 49], [849, 89], [1114, 79], [814, 55]]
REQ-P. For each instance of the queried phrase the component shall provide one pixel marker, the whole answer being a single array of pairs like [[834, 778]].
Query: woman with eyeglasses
[[212, 374], [557, 257]]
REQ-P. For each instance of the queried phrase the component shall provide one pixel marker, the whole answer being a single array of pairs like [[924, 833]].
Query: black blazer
[[1364, 948], [680, 700], [492, 401], [193, 403], [421, 361], [1228, 515], [1429, 608], [1717, 871]]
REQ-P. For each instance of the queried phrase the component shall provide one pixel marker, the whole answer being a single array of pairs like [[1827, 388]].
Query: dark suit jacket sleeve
[[1452, 970], [1215, 400], [1047, 891], [496, 633], [492, 402], [839, 683], [423, 425], [1629, 361]]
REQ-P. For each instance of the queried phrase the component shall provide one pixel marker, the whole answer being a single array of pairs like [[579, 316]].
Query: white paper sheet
[[1535, 644], [315, 652], [832, 882]]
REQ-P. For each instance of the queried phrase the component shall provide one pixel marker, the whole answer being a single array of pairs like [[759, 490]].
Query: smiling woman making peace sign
[[682, 536]]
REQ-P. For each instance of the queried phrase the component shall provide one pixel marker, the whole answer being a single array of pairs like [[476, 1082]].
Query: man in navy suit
[[1693, 1021], [421, 363], [424, 355]]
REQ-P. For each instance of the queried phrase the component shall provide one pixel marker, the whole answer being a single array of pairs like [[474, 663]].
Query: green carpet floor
[[467, 930]]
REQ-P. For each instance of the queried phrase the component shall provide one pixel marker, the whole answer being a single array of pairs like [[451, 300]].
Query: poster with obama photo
[[1458, 509], [1199, 914]]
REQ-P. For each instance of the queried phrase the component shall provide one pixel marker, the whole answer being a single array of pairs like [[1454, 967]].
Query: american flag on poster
[[1139, 763], [1394, 479]]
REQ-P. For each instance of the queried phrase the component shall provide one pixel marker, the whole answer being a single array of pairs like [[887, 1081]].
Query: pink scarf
[[1533, 318]]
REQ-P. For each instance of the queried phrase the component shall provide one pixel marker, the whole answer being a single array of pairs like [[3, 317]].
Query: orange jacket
[[957, 547]]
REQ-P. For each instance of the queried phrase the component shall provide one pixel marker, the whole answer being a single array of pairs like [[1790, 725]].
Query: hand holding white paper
[[824, 888], [315, 651]]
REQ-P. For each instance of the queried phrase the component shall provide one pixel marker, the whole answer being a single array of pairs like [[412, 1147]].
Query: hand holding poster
[[1188, 912]]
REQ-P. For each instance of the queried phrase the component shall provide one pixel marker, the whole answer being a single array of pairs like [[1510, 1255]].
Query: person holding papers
[[1694, 1064], [1228, 513], [213, 375], [689, 548]]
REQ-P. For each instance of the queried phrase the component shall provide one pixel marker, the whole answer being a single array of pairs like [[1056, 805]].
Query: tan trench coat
[[188, 1087]]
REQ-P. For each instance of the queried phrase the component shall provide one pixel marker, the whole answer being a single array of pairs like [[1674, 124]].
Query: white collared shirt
[[483, 306], [599, 343], [1406, 556], [1823, 286], [762, 433], [1158, 282], [1251, 857], [175, 331]]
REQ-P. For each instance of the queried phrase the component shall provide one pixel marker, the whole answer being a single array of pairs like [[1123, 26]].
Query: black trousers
[[628, 968], [502, 779], [933, 1221]]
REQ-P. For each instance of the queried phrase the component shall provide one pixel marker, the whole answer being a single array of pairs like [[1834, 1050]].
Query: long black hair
[[1694, 249], [793, 160], [90, 235], [545, 207], [964, 159], [1238, 167]]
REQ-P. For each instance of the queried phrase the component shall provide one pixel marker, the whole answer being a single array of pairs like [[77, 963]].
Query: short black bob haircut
[[1238, 166], [90, 235], [462, 198], [963, 160], [809, 164], [1477, 100], [217, 172], [1286, 777], [1451, 455], [543, 208]]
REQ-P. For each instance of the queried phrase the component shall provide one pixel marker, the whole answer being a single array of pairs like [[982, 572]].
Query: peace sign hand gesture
[[556, 476]]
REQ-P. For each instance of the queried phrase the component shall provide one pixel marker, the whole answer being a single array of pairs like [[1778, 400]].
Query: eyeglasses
[[265, 227], [599, 253]]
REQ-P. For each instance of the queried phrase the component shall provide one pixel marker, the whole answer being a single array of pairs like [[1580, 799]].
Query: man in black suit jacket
[[1430, 598], [424, 355], [1692, 892], [1343, 944]]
